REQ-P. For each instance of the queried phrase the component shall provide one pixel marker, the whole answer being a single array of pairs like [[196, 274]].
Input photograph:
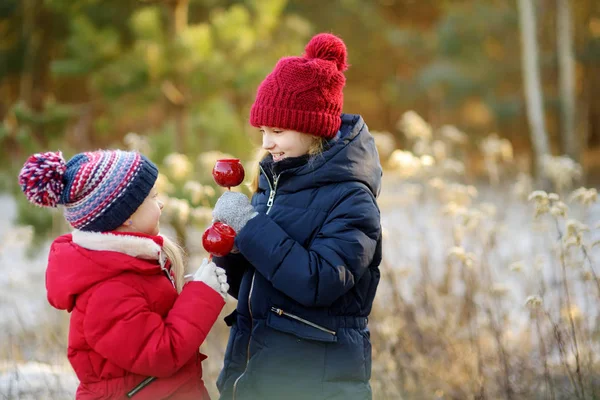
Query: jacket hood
[[80, 260], [351, 156]]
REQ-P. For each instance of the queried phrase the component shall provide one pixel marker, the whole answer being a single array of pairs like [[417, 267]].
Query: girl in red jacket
[[135, 327]]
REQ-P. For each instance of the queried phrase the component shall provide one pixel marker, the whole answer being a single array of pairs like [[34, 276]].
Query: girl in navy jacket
[[308, 246]]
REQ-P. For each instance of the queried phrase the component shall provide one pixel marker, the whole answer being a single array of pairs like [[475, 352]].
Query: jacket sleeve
[[234, 265], [120, 326], [337, 258]]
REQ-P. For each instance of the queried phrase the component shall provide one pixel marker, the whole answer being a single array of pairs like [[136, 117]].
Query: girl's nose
[[267, 143]]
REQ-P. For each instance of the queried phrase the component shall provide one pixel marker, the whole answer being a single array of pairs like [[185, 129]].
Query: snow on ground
[[23, 308], [36, 381], [22, 296], [413, 231]]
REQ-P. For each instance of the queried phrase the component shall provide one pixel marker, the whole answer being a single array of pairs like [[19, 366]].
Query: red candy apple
[[218, 239], [228, 172]]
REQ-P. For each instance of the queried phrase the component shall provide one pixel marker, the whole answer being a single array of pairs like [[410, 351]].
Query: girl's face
[[146, 218], [284, 143]]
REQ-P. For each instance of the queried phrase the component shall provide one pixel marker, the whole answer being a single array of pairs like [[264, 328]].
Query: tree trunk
[[531, 78], [593, 106], [566, 70], [178, 19], [34, 83]]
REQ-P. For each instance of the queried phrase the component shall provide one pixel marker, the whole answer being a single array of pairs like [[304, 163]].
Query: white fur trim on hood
[[134, 246]]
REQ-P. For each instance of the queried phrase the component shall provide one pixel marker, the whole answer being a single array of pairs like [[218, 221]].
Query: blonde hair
[[176, 255], [316, 148]]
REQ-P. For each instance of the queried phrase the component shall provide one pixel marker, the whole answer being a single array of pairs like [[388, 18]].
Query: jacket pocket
[[283, 321], [349, 359]]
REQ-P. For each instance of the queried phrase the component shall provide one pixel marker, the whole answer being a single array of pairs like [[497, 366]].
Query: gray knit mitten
[[234, 209]]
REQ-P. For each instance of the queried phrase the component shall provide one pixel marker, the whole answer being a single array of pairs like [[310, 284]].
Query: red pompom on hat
[[41, 178], [305, 93], [326, 46]]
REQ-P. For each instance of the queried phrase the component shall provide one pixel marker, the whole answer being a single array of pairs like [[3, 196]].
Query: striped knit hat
[[99, 190]]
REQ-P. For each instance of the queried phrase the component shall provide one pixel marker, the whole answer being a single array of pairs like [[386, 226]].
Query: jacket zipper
[[247, 348], [273, 189], [280, 312]]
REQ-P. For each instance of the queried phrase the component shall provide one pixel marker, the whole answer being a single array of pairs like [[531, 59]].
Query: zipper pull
[[277, 311], [271, 198], [272, 194]]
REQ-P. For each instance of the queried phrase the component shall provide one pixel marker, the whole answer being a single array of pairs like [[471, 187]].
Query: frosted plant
[[493, 147], [496, 152], [405, 163], [195, 190], [201, 215], [462, 195], [451, 166], [541, 201], [178, 166], [460, 254], [385, 142], [574, 231], [198, 192], [454, 210], [562, 171], [488, 209], [163, 185], [414, 127], [517, 266], [499, 290], [439, 150], [20, 236], [584, 196], [177, 210], [559, 209], [136, 142], [437, 183], [534, 302], [523, 186], [453, 134]]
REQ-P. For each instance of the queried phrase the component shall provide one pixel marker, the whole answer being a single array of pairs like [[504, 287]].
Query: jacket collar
[[351, 156], [273, 169], [133, 244]]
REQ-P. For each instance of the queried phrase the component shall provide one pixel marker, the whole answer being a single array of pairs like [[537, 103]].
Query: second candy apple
[[218, 239]]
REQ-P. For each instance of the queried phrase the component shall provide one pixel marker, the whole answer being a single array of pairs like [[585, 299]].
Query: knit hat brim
[[311, 122], [130, 200]]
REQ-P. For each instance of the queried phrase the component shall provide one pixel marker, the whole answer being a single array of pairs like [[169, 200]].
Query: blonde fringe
[[316, 148], [176, 255]]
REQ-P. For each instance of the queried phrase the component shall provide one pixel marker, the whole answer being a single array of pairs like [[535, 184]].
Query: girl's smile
[[278, 156], [284, 143]]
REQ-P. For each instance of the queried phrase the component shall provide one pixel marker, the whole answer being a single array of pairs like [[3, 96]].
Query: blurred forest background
[[474, 104], [82, 74]]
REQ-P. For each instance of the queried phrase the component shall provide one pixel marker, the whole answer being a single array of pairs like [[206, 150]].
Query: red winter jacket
[[127, 320]]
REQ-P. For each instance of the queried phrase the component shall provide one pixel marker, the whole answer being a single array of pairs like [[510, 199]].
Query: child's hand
[[213, 276], [234, 209]]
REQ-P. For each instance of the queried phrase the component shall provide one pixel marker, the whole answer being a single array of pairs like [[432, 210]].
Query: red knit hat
[[305, 93]]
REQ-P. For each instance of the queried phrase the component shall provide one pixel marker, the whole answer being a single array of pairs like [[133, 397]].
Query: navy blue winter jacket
[[306, 277]]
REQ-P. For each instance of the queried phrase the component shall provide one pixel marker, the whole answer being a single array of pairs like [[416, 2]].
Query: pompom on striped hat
[[99, 190]]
